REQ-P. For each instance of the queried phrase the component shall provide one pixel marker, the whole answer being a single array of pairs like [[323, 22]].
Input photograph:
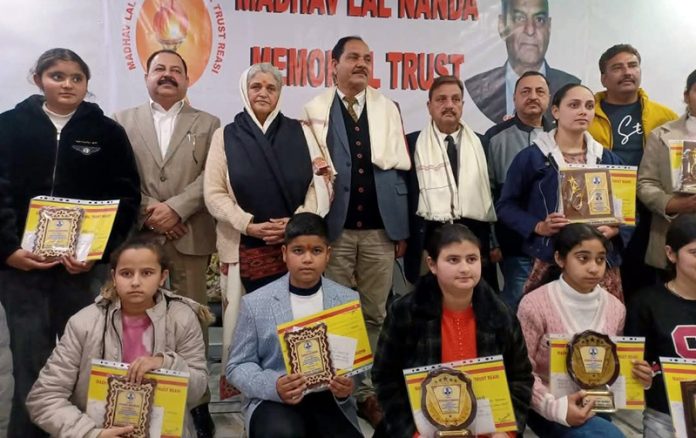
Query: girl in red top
[[452, 315]]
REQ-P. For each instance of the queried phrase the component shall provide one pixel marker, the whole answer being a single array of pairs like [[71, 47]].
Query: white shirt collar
[[174, 110], [360, 97], [442, 136]]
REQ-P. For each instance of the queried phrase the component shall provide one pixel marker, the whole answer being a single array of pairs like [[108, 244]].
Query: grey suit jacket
[[390, 184], [176, 179], [256, 361], [487, 90]]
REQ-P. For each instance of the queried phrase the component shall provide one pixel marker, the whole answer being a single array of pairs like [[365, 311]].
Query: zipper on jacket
[[55, 163]]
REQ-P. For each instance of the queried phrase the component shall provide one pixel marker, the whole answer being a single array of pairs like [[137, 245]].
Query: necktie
[[351, 101], [452, 155]]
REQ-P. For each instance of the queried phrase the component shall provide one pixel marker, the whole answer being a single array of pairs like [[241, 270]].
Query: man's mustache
[[168, 80]]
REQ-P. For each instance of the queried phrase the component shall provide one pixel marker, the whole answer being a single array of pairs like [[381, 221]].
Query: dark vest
[[363, 210]]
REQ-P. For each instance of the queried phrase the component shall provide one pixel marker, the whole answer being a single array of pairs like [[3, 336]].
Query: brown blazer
[[655, 186], [176, 179]]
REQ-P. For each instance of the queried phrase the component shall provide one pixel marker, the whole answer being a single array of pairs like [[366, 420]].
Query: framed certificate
[[586, 195], [308, 350], [129, 404], [57, 231]]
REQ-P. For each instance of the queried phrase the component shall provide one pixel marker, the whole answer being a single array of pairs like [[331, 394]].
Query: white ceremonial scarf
[[387, 141], [440, 199]]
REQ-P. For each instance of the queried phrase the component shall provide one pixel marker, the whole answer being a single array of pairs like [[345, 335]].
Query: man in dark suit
[[368, 221], [525, 26]]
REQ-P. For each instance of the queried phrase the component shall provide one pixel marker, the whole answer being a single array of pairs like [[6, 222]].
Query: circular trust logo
[[180, 25]]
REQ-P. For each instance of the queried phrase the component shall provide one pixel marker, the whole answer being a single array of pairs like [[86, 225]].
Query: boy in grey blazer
[[275, 403]]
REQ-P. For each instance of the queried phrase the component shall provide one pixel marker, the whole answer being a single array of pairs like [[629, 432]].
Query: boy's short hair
[[306, 224]]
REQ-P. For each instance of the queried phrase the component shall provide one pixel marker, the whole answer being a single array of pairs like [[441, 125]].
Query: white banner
[[412, 42]]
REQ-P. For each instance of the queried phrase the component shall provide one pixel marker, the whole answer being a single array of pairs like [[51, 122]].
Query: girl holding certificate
[[450, 316], [55, 144], [665, 314], [133, 321], [570, 305], [529, 202]]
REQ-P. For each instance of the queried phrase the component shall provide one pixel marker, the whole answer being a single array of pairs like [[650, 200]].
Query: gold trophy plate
[[57, 231], [448, 402], [129, 404], [688, 392], [593, 364], [586, 195], [308, 349]]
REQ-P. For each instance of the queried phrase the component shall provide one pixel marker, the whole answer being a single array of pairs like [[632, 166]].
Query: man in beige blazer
[[170, 140]]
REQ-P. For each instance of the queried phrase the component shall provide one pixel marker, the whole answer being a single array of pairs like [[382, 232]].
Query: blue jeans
[[596, 426], [515, 270]]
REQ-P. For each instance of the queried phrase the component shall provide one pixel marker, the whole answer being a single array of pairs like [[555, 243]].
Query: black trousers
[[316, 416], [38, 305]]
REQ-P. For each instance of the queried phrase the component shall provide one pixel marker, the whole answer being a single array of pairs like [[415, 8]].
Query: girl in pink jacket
[[572, 304], [134, 320]]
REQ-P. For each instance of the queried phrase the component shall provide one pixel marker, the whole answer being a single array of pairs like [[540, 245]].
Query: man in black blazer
[[525, 26]]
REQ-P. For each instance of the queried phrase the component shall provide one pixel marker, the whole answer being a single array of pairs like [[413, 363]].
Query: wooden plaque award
[[57, 231], [586, 195], [129, 404], [688, 391], [308, 349]]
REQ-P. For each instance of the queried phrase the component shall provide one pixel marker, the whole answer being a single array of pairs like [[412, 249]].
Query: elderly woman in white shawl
[[259, 173]]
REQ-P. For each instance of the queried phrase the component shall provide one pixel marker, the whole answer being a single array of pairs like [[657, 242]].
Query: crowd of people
[[309, 214]]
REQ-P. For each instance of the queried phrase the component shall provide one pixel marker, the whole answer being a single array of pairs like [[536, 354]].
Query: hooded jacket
[[58, 400], [91, 159], [530, 192]]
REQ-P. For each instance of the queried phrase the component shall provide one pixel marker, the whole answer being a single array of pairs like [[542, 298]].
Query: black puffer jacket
[[92, 159]]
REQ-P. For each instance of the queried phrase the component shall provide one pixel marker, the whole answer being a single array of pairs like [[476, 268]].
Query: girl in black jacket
[[418, 330], [55, 145]]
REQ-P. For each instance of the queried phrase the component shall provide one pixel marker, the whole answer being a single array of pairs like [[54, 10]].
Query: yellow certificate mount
[[593, 364], [448, 402]]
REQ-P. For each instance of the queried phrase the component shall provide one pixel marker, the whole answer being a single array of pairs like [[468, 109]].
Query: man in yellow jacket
[[624, 117]]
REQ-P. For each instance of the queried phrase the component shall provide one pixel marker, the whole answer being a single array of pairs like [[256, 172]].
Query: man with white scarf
[[361, 133], [449, 183]]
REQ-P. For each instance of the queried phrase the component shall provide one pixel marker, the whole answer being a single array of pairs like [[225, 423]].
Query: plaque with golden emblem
[[448, 402], [688, 393], [593, 364], [688, 168], [586, 195], [308, 350], [129, 404], [57, 231]]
